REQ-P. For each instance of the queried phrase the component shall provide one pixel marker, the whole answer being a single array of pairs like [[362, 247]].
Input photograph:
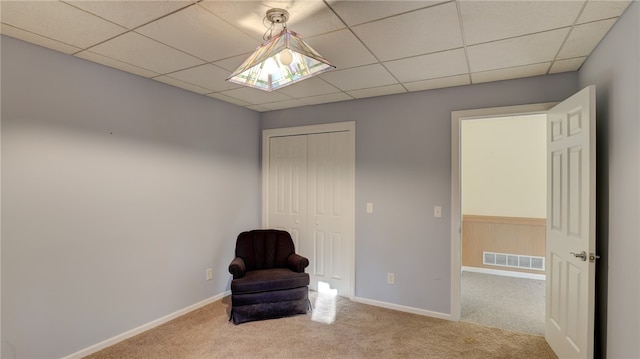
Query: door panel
[[553, 294], [574, 217], [555, 172], [288, 185], [329, 203], [571, 208], [317, 258]]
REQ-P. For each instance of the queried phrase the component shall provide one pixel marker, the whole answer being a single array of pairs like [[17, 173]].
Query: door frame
[[456, 205], [348, 126]]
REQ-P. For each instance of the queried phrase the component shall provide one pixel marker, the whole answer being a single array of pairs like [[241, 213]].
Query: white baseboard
[[402, 308], [505, 273], [126, 335]]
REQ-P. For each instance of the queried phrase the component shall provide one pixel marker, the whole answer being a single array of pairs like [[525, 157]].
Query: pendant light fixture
[[280, 60]]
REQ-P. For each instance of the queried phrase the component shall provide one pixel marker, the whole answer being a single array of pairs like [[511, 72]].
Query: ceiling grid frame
[[514, 24]]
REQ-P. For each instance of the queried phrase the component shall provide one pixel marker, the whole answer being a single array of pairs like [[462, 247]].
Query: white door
[[310, 185], [569, 319], [329, 248], [288, 186]]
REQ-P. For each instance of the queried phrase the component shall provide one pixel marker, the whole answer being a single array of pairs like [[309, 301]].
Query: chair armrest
[[297, 263], [237, 267]]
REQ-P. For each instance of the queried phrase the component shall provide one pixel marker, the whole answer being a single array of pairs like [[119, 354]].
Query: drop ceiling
[[379, 47]]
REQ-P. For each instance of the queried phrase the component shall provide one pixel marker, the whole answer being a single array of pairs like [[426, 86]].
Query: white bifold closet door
[[310, 185]]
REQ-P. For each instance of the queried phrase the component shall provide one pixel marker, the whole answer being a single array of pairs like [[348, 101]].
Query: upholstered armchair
[[268, 277]]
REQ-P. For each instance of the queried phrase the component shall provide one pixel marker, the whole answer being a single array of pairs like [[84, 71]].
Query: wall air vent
[[513, 260]]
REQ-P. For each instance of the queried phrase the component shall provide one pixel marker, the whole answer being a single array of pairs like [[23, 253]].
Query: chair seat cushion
[[269, 280]]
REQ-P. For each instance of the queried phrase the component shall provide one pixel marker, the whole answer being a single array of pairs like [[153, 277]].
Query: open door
[[571, 241]]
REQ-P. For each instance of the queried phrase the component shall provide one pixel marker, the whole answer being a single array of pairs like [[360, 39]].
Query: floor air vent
[[513, 260]]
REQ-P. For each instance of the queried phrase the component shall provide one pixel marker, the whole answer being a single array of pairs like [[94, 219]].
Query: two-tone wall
[[504, 193]]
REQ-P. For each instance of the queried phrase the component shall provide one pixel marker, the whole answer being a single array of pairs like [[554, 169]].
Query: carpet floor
[[359, 331], [514, 304]]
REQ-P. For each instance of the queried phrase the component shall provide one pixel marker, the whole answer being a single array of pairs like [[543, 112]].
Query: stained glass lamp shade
[[280, 61]]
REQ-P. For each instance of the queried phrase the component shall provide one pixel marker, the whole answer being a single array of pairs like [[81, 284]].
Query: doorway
[[457, 118], [503, 202], [570, 231]]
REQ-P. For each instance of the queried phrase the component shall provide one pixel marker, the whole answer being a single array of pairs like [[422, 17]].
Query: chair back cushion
[[264, 248]]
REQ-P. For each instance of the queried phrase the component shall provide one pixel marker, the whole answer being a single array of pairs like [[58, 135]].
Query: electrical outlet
[[391, 278], [209, 273]]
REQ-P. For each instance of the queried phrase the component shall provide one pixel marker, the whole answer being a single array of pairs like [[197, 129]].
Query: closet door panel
[[288, 206], [329, 183], [310, 184]]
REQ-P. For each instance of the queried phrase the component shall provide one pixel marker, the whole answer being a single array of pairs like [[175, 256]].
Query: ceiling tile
[[283, 104], [359, 77], [567, 65], [441, 64], [37, 39], [130, 14], [143, 52], [307, 18], [107, 61], [378, 91], [510, 73], [198, 32], [525, 50], [206, 76], [255, 96], [232, 63], [225, 98], [334, 97], [451, 81], [257, 108], [424, 31], [358, 12], [584, 38], [309, 87], [599, 10], [494, 20], [181, 84], [58, 21], [342, 49]]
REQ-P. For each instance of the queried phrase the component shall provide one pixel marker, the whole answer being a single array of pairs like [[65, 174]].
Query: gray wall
[[403, 166], [117, 193], [614, 67]]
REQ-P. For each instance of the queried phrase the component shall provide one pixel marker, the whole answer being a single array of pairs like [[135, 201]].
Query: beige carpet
[[509, 303], [359, 331]]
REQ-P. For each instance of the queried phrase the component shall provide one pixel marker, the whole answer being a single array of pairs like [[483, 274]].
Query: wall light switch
[[437, 212], [391, 278], [369, 207]]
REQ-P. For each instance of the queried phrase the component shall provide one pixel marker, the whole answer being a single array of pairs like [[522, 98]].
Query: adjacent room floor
[[514, 304]]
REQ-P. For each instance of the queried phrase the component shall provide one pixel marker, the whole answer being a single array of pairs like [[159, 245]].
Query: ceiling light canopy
[[280, 60]]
